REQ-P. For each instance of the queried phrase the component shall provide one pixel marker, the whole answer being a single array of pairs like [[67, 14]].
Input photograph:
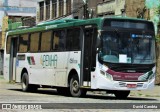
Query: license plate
[[131, 85]]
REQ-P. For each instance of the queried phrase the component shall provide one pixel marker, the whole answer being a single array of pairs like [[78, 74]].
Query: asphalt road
[[11, 93]]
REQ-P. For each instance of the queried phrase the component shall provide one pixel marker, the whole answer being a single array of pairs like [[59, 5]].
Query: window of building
[[59, 41], [68, 6], [48, 9], [46, 41], [8, 46], [41, 5], [61, 7], [23, 43], [54, 9], [34, 42], [73, 39]]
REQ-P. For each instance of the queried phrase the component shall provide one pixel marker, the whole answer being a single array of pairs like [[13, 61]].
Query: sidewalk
[[155, 92]]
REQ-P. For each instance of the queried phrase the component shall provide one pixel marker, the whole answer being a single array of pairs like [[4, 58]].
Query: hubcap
[[75, 86]]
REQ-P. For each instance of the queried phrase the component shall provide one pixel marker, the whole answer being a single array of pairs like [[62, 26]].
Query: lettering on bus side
[[49, 60]]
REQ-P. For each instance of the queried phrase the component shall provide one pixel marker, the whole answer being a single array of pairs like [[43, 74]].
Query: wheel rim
[[75, 86]]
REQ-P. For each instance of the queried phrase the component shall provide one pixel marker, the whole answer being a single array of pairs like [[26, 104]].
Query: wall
[[14, 3], [28, 3], [5, 26], [136, 8], [120, 5], [2, 13], [111, 7]]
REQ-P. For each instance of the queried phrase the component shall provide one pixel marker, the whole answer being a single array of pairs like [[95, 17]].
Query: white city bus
[[112, 54]]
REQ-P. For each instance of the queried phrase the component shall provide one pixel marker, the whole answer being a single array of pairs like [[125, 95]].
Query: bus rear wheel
[[25, 84], [121, 94], [75, 89]]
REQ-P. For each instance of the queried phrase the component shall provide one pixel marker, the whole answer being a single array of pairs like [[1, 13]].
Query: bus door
[[13, 54], [88, 54]]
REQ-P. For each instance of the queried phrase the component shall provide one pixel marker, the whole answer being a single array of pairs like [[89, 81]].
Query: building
[[12, 11], [57, 9], [130, 8]]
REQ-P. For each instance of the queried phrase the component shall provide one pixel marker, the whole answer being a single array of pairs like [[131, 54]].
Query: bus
[[113, 54]]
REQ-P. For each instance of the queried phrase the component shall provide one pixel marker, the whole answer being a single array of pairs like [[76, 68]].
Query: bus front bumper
[[106, 84]]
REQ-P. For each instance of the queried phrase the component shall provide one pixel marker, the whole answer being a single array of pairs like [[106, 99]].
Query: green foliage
[[152, 3], [158, 38]]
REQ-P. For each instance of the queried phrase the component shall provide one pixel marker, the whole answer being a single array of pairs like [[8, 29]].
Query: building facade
[[129, 8], [57, 9]]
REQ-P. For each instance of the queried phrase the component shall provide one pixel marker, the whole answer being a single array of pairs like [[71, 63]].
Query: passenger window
[[59, 41], [23, 43], [46, 41], [73, 39], [34, 42]]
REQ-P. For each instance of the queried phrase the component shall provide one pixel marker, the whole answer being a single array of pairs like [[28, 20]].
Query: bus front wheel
[[75, 89], [121, 94], [25, 84]]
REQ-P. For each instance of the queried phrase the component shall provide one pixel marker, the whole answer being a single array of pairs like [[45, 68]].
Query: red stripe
[[33, 62], [124, 76]]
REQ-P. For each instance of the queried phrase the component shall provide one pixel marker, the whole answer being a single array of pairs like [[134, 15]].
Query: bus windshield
[[127, 47]]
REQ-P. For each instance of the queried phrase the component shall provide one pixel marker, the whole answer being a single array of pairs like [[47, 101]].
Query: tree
[[154, 4]]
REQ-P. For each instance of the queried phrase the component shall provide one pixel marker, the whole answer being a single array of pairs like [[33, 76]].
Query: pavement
[[155, 92]]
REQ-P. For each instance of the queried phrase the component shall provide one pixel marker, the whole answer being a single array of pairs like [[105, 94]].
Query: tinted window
[[46, 41], [34, 42], [59, 41], [23, 43], [73, 39]]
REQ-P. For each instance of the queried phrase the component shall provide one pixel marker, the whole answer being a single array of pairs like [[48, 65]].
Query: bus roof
[[57, 24]]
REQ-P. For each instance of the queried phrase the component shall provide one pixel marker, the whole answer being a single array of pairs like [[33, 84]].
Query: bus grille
[[123, 84]]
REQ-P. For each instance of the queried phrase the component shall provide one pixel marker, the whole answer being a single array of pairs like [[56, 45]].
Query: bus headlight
[[147, 76], [108, 76], [152, 76]]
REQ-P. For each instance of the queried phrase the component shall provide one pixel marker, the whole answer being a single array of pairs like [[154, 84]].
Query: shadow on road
[[92, 96], [114, 98], [47, 92]]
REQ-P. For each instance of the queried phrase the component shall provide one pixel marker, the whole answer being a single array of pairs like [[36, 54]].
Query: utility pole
[[85, 9]]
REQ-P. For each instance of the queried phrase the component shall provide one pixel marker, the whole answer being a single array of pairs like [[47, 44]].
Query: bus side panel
[[21, 63], [94, 75], [48, 68], [41, 68], [74, 61], [18, 73], [61, 69]]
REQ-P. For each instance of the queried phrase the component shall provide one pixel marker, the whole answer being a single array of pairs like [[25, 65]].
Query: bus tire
[[75, 89], [121, 94], [26, 87]]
